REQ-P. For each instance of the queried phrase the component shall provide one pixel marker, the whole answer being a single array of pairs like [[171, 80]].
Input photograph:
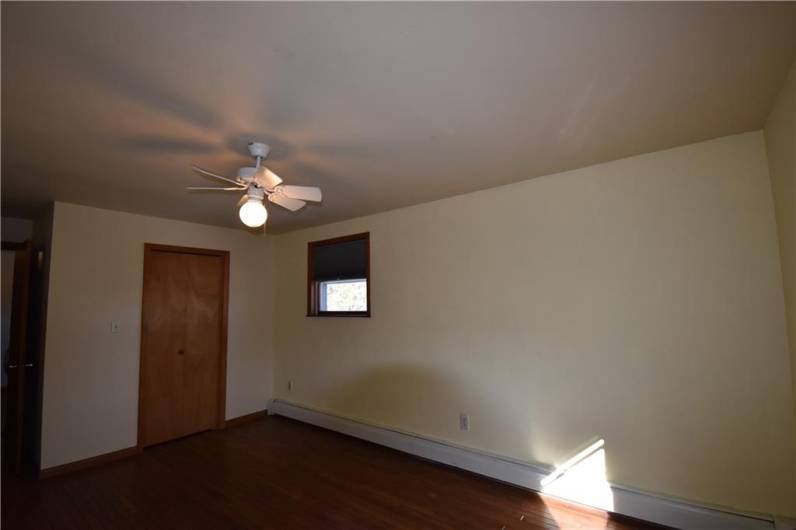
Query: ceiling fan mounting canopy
[[260, 182], [258, 149]]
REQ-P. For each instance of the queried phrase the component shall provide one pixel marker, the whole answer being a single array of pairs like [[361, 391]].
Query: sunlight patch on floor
[[582, 479]]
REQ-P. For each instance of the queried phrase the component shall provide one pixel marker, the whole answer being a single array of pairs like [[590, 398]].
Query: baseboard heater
[[641, 505]]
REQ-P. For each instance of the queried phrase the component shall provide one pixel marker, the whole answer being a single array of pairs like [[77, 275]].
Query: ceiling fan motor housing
[[247, 173]]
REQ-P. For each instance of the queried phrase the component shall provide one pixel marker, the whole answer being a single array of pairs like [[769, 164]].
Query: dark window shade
[[340, 261]]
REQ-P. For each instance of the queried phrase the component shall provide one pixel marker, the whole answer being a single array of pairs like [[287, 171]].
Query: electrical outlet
[[290, 385], [464, 422], [114, 327]]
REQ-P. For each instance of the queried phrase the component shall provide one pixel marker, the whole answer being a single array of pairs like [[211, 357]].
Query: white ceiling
[[383, 105]]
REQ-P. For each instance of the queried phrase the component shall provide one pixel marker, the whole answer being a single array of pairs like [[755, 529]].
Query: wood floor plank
[[278, 473]]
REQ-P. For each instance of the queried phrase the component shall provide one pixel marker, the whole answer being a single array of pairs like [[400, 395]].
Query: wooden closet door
[[202, 338], [182, 344]]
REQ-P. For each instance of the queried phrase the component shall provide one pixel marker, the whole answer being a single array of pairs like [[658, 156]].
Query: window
[[344, 295], [338, 274]]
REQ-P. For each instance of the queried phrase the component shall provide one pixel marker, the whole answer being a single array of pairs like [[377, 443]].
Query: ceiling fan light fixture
[[253, 213]]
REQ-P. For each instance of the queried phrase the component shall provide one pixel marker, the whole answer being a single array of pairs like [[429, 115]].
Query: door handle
[[29, 365], [12, 366]]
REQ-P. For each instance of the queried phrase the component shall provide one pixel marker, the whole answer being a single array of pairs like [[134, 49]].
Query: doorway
[[20, 361], [182, 386]]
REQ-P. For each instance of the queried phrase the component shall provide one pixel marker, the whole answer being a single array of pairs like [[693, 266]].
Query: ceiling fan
[[260, 182]]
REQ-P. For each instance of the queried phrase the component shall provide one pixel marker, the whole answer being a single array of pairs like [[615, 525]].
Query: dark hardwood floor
[[278, 473]]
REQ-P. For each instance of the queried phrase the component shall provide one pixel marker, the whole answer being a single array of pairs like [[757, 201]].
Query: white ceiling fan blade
[[266, 178], [286, 202], [198, 188], [305, 193], [214, 175]]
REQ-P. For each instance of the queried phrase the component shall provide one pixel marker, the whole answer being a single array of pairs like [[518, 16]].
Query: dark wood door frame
[[149, 248]]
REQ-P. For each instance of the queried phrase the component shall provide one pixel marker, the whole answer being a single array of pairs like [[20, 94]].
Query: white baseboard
[[641, 505]]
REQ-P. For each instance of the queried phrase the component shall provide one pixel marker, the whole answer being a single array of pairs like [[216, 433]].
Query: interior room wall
[[42, 247], [16, 230], [638, 301], [780, 136], [90, 402]]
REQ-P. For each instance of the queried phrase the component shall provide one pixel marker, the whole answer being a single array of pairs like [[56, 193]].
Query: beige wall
[[90, 375], [16, 230], [639, 301], [780, 135], [42, 245]]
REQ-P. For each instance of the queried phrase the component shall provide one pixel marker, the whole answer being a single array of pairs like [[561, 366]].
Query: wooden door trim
[[149, 248]]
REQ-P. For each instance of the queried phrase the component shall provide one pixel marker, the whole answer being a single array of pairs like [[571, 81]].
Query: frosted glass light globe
[[253, 213]]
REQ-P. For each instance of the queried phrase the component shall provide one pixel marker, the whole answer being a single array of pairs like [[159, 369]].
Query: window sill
[[343, 314]]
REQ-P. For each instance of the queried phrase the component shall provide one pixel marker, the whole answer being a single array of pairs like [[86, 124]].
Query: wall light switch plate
[[114, 327], [464, 422]]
